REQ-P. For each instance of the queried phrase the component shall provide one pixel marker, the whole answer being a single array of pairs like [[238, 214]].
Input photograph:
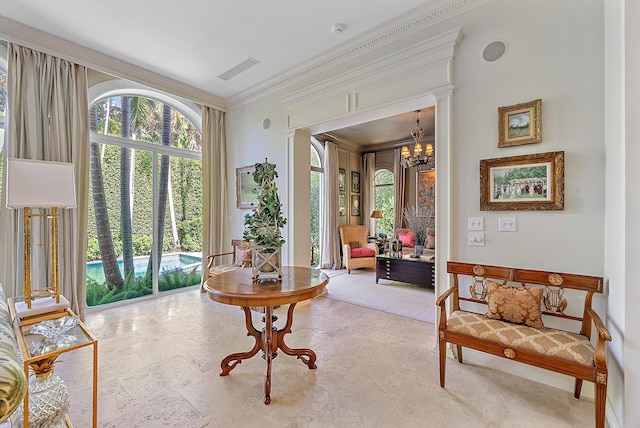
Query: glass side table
[[39, 354]]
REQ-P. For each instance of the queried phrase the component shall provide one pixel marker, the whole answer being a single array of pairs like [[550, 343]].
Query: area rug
[[360, 288]]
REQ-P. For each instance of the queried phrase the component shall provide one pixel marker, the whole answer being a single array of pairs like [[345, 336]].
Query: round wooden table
[[237, 288]]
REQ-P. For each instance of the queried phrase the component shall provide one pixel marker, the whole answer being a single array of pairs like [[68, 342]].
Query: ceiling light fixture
[[419, 156], [337, 28]]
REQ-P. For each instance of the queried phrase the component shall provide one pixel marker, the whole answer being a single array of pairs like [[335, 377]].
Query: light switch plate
[[476, 239], [475, 223], [507, 224]]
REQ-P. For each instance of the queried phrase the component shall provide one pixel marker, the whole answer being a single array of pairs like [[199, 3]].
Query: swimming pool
[[170, 262]]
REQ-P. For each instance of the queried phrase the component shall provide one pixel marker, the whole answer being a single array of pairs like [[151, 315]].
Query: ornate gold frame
[[554, 163], [534, 111]]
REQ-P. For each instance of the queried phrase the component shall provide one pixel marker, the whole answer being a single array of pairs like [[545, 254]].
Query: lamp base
[[41, 305]]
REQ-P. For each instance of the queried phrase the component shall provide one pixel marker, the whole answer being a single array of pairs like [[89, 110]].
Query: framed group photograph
[[342, 179], [355, 182], [520, 124], [528, 182], [246, 198], [355, 205]]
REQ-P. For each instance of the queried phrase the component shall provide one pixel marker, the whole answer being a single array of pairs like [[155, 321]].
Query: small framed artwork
[[355, 182], [355, 205], [342, 204], [342, 179], [246, 197], [520, 124], [426, 189], [530, 182]]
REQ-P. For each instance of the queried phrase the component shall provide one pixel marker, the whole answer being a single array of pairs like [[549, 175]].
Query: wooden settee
[[575, 354]]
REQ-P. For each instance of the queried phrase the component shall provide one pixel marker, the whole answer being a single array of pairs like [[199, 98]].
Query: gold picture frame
[[246, 198], [520, 124], [527, 183], [426, 189]]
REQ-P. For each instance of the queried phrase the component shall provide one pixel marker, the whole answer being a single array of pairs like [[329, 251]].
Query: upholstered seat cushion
[[554, 343], [362, 252], [223, 268]]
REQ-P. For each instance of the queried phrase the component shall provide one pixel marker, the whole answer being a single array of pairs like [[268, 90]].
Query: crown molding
[[363, 46], [33, 38]]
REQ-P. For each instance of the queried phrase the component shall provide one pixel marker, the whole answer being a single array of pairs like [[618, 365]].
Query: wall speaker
[[494, 51]]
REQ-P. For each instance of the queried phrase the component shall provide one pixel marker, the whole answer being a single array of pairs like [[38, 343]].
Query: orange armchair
[[357, 252]]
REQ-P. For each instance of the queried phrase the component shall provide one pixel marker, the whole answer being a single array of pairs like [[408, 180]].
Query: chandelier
[[419, 156]]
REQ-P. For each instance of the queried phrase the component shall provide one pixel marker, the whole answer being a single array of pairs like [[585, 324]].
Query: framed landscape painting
[[245, 197], [520, 124], [529, 182]]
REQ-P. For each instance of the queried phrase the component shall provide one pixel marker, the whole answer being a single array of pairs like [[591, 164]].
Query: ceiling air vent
[[247, 63]]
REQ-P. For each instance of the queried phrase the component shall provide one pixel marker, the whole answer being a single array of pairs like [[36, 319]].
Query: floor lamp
[[46, 186]]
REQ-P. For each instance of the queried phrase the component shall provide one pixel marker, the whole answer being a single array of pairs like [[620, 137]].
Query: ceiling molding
[[358, 48], [33, 38]]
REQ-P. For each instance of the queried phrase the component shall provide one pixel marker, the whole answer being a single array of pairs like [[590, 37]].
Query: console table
[[419, 271]]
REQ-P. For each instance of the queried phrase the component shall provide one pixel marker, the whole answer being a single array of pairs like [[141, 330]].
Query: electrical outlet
[[475, 223], [476, 239], [507, 224]]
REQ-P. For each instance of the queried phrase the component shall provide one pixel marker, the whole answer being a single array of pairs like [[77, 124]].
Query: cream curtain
[[330, 257], [214, 175], [368, 193], [48, 119], [399, 175]]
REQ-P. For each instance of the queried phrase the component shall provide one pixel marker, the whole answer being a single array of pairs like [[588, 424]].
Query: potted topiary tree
[[263, 226]]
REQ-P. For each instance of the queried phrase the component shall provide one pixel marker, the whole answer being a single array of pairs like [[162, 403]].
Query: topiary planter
[[266, 263]]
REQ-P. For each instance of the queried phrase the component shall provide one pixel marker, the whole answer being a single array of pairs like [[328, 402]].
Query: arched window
[[145, 199], [384, 201], [316, 204]]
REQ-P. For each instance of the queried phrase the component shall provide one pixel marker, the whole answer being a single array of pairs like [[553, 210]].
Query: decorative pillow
[[243, 255], [362, 252], [431, 242], [407, 239], [354, 244], [519, 305]]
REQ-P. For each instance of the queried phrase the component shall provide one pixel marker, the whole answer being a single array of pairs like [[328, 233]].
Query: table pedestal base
[[269, 340]]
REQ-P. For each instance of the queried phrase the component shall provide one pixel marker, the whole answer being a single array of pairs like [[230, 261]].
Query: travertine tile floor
[[160, 363]]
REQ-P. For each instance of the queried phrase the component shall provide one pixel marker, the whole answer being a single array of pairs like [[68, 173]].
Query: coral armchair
[[356, 251]]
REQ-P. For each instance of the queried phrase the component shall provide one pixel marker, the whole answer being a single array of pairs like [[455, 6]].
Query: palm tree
[[105, 242], [125, 192], [163, 189]]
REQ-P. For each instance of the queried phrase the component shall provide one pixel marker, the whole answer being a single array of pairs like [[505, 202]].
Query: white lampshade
[[40, 184]]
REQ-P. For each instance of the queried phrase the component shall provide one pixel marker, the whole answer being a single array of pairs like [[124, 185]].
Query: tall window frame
[[384, 200], [190, 112], [317, 198]]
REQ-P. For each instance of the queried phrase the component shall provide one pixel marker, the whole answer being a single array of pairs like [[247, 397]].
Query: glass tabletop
[[38, 345]]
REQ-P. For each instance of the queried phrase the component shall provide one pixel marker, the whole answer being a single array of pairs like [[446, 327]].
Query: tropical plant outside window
[[145, 200], [385, 201], [316, 205]]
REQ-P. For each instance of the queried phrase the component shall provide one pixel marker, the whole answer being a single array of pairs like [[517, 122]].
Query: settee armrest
[[440, 301], [603, 336]]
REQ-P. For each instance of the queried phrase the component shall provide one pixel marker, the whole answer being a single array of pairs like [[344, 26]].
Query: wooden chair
[[240, 258], [356, 250]]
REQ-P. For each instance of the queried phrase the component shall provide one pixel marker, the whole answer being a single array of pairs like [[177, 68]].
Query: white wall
[[614, 220]]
